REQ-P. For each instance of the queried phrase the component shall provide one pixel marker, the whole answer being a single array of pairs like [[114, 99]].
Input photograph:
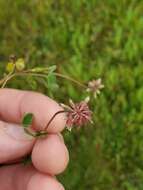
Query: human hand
[[49, 155]]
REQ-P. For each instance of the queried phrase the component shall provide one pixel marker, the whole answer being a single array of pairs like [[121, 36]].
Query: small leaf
[[31, 82], [44, 69], [52, 69], [52, 82], [39, 69], [27, 120]]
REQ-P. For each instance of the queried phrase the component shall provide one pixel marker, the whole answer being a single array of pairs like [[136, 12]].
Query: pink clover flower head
[[78, 114]]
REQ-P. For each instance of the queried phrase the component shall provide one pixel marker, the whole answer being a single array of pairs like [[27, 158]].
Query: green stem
[[29, 72], [70, 79], [43, 132], [6, 79], [29, 133]]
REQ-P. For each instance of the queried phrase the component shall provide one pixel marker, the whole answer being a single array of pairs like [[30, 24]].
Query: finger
[[19, 177], [15, 143], [50, 155], [15, 103]]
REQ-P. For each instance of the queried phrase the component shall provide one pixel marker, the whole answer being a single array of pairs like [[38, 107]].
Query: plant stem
[[70, 79], [43, 132], [2, 80], [62, 111], [29, 72], [29, 133], [6, 78]]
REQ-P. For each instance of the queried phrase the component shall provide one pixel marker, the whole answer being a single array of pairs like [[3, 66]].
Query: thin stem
[[44, 132], [29, 133], [20, 74], [70, 79], [41, 133], [2, 80], [29, 72], [58, 75], [62, 111], [5, 80]]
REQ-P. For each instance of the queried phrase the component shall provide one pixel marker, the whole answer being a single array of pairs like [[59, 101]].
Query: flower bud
[[20, 64], [10, 67]]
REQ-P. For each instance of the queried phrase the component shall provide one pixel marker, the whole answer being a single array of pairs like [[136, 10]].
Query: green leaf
[[52, 82], [44, 69], [27, 120], [39, 69], [52, 69], [32, 82]]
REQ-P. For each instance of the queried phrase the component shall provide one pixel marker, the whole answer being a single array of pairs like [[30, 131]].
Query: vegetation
[[87, 39]]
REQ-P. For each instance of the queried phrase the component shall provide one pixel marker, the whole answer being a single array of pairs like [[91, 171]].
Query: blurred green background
[[87, 39]]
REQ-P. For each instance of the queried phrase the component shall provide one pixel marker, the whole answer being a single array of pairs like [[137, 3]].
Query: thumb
[[14, 142]]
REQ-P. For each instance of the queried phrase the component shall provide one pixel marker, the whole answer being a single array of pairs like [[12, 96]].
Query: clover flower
[[78, 114], [95, 86]]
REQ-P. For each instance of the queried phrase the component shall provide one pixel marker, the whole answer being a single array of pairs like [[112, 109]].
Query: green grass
[[88, 39]]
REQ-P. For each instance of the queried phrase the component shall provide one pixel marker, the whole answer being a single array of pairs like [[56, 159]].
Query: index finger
[[15, 103]]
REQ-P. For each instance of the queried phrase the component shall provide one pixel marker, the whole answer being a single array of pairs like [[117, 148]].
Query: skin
[[49, 154]]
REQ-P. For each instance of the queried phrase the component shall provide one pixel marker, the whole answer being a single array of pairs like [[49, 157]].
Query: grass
[[88, 39]]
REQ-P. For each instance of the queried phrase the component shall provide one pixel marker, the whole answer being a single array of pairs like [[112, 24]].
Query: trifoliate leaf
[[20, 64], [27, 120]]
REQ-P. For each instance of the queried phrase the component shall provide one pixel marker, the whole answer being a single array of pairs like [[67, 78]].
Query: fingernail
[[17, 132]]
